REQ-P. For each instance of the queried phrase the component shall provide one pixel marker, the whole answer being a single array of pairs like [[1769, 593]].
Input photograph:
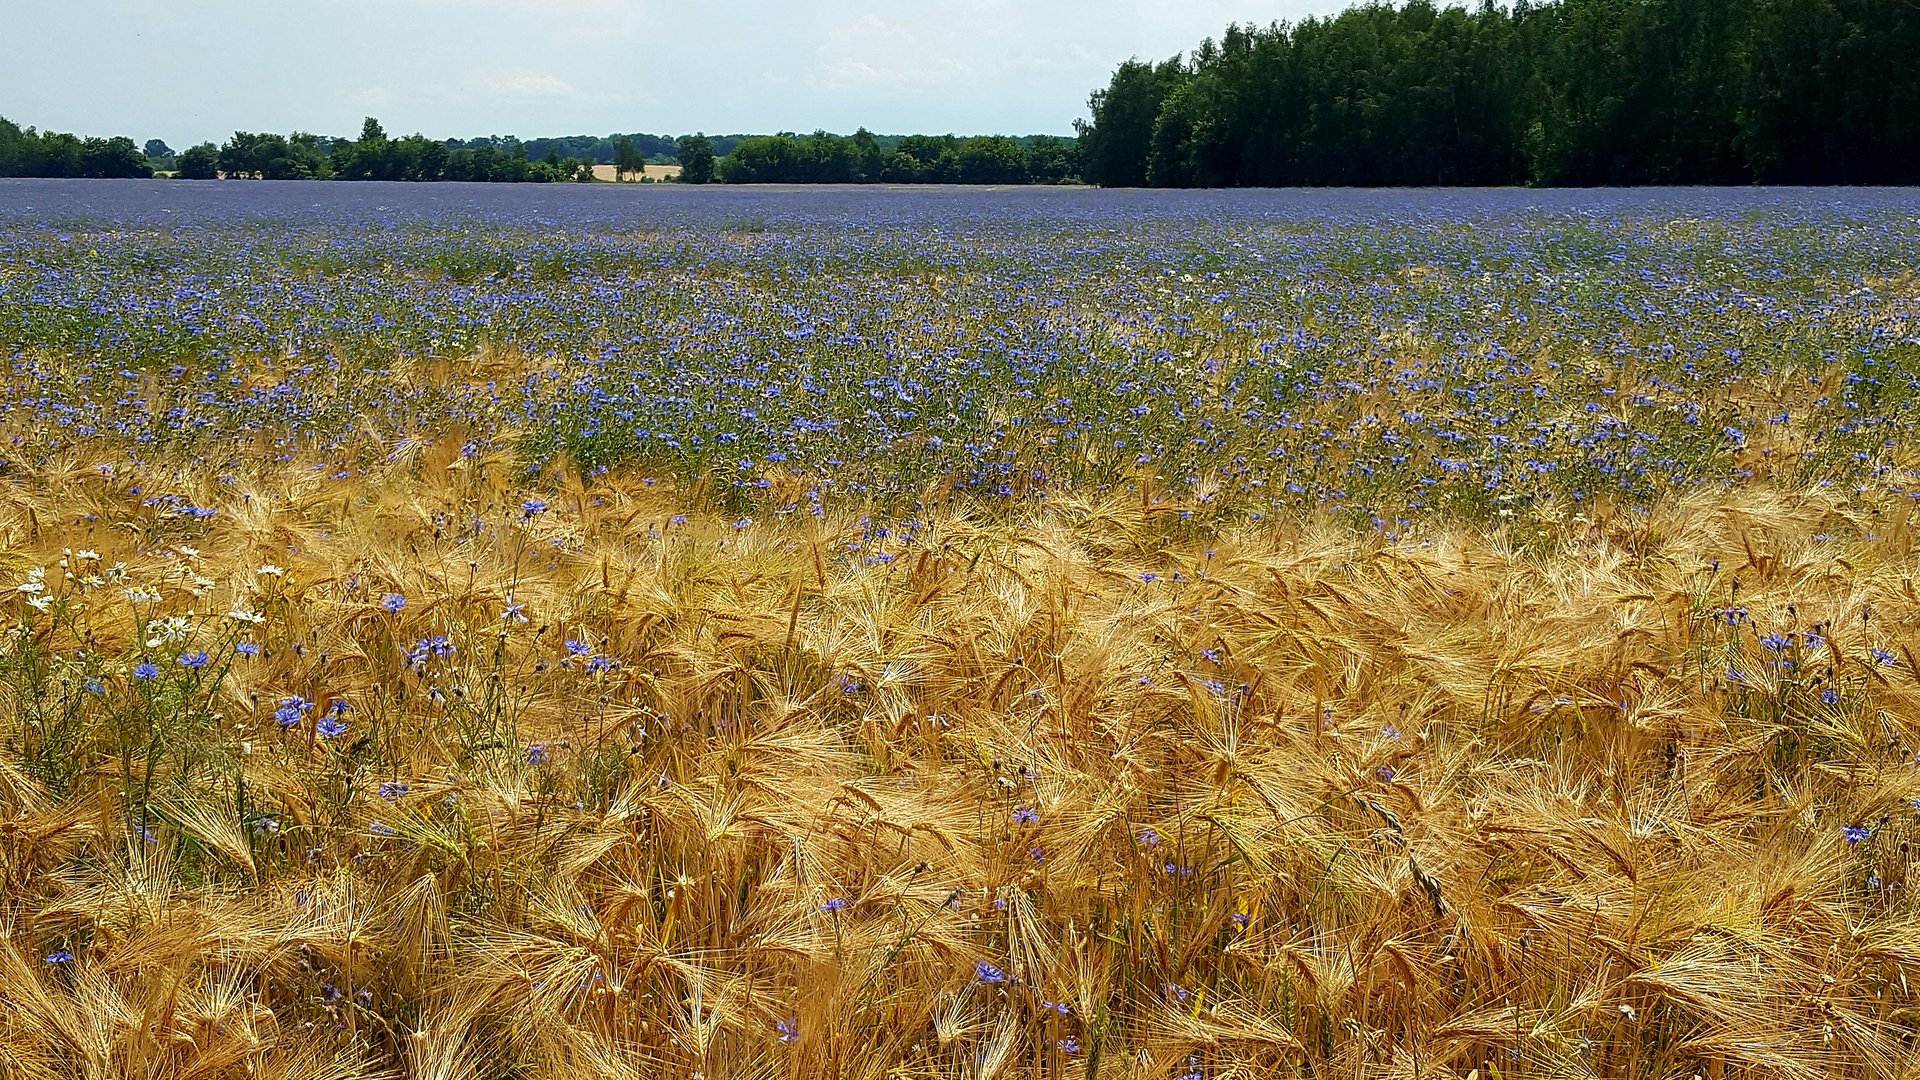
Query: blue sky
[[187, 70]]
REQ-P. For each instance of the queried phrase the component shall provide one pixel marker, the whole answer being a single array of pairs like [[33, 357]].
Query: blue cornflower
[[988, 973], [1776, 641], [247, 648], [1853, 834], [390, 790], [146, 670], [194, 659], [1026, 815], [291, 710], [94, 686], [1069, 1046], [330, 726], [834, 905], [1882, 657], [789, 1029], [576, 647], [393, 602], [59, 956], [533, 506], [438, 645], [537, 754]]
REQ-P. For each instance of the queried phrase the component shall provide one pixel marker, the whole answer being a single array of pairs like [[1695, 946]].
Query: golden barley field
[[1085, 793]]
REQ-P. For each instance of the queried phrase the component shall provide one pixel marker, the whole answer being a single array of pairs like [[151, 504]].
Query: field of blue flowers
[[603, 633], [1380, 356]]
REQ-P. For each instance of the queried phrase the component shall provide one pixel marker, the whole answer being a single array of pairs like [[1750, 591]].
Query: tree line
[[372, 156], [602, 149], [821, 157], [1576, 92], [26, 152], [863, 157]]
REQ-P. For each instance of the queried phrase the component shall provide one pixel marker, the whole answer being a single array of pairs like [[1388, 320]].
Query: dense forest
[[1576, 92]]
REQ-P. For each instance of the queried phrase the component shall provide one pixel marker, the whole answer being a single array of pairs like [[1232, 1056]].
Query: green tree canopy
[[1575, 92], [200, 162], [627, 158], [696, 159]]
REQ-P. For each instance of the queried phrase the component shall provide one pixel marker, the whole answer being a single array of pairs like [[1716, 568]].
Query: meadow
[[465, 633]]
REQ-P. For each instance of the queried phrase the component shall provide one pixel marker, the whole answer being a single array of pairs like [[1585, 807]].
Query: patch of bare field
[[656, 173]]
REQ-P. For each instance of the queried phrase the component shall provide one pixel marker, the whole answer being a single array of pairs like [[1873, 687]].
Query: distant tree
[[306, 159], [869, 160], [1052, 160], [1117, 146], [898, 168], [933, 156], [762, 159], [370, 157], [627, 158], [200, 162], [16, 148], [990, 159], [695, 153], [60, 154], [114, 159], [243, 157], [421, 158], [824, 158], [157, 149]]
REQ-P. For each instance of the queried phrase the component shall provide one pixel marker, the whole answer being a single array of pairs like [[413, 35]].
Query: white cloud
[[848, 72], [573, 22], [531, 85], [874, 53]]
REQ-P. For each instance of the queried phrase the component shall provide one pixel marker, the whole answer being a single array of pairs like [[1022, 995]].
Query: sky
[[192, 70]]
